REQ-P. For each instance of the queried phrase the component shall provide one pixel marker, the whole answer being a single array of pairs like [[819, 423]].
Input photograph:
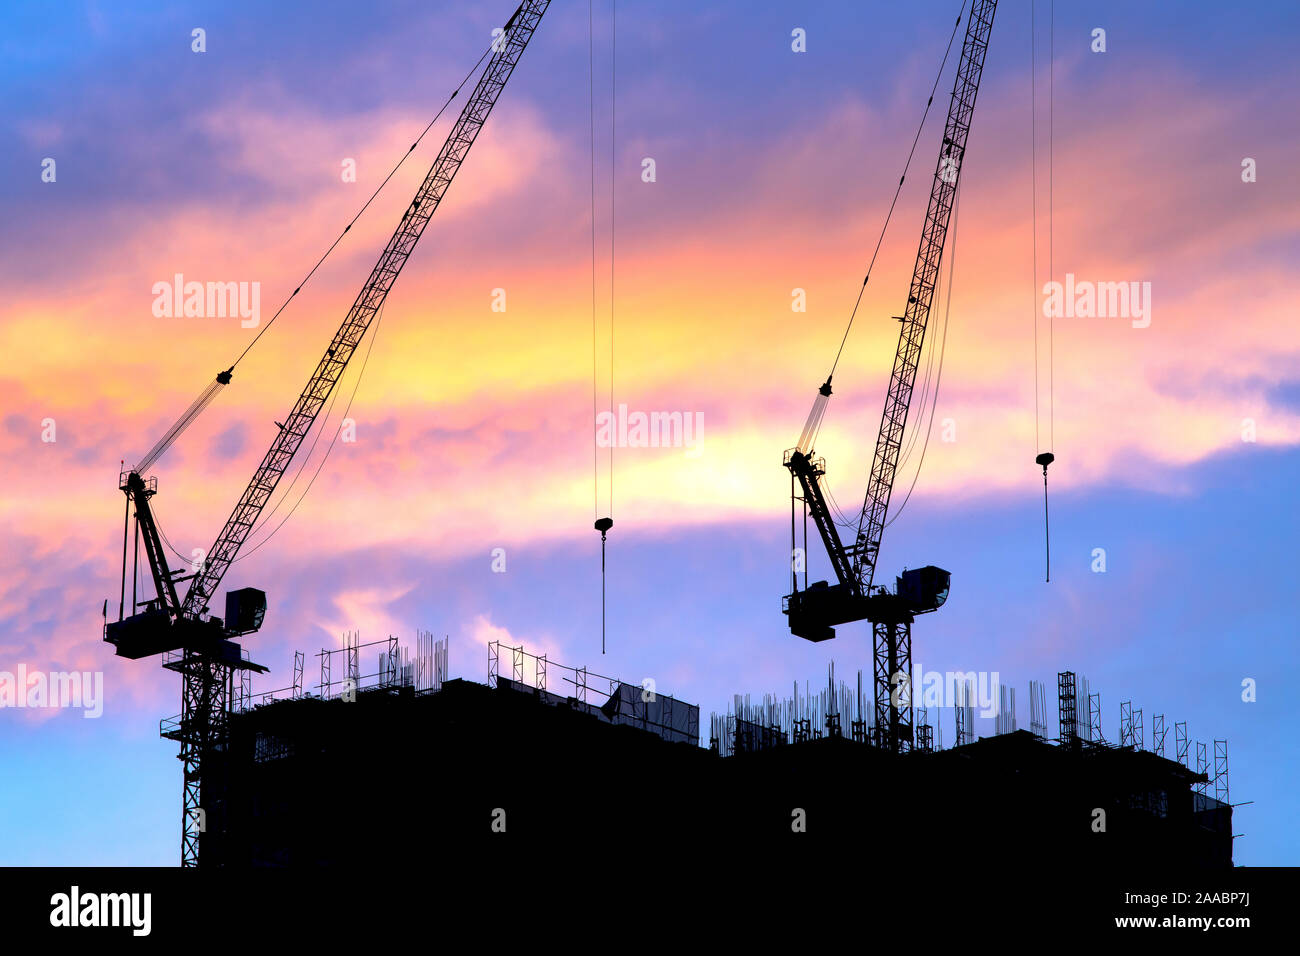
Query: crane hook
[[1045, 459], [603, 525]]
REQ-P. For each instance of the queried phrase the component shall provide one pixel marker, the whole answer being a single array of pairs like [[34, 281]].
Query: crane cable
[[929, 396], [1044, 458], [602, 524], [838, 513], [338, 431], [813, 426], [206, 397], [222, 379], [929, 393], [943, 347], [265, 516], [329, 411], [591, 126]]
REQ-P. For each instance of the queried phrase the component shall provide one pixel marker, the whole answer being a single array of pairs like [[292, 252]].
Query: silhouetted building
[[398, 773]]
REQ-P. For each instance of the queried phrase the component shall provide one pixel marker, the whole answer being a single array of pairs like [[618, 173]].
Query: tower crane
[[197, 645], [814, 610]]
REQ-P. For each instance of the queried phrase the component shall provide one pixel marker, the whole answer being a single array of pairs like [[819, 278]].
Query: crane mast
[[814, 610], [199, 647]]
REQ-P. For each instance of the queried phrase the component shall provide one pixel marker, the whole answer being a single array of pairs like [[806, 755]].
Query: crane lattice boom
[[330, 369], [814, 610], [925, 274], [198, 646]]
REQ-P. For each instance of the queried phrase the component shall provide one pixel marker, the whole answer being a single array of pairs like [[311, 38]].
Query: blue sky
[[775, 170]]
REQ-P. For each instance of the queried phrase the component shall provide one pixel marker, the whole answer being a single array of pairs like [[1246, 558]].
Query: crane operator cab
[[924, 589], [816, 610]]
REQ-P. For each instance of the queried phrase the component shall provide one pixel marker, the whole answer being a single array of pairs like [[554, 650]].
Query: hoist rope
[[1033, 185], [913, 435], [210, 391], [1047, 528], [613, 119], [929, 396], [910, 153], [591, 126], [943, 346], [602, 524], [595, 372], [1051, 225], [1044, 458], [157, 520], [837, 515], [301, 466], [378, 189], [374, 334]]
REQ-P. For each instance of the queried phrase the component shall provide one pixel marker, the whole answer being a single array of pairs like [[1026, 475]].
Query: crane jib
[[506, 52], [816, 608], [911, 336]]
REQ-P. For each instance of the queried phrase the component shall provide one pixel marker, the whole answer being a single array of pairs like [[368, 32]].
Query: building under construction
[[379, 767]]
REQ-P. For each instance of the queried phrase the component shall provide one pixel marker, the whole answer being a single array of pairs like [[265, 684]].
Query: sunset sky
[[474, 427]]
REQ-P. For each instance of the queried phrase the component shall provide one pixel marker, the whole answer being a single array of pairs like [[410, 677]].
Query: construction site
[[597, 759], [543, 749]]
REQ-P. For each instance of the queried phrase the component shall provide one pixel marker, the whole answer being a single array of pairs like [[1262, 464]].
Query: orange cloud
[[474, 427]]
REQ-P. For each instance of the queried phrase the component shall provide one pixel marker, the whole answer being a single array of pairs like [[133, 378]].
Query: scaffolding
[[1221, 771], [1094, 719], [1068, 712], [351, 651], [637, 705], [425, 672], [395, 667]]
